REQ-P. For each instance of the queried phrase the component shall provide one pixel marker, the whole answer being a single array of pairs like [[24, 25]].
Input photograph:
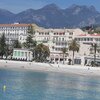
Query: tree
[[95, 48], [3, 45], [74, 46], [30, 30], [94, 45], [17, 44], [64, 50], [30, 43], [41, 52], [8, 51]]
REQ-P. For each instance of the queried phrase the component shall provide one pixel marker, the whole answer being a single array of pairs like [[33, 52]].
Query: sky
[[17, 6]]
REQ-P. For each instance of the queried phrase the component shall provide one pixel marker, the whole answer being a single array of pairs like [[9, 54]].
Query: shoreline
[[46, 67]]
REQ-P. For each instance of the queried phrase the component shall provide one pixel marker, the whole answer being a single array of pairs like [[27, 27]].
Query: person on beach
[[92, 63], [30, 63], [88, 68]]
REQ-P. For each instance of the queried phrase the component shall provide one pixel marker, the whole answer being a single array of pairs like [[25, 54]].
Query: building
[[22, 54], [86, 60], [14, 32], [86, 41], [56, 39], [86, 52]]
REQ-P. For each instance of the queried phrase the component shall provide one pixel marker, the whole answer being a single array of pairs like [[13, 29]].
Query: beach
[[47, 67]]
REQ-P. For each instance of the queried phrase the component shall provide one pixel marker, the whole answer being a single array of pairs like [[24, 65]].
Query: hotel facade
[[14, 32], [55, 39]]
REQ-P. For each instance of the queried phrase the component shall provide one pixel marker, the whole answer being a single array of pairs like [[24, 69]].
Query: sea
[[16, 84]]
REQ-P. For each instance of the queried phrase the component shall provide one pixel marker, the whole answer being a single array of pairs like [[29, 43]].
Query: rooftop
[[14, 25]]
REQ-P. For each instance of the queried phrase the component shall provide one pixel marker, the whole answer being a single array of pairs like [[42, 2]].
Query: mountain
[[80, 16], [5, 16], [48, 16], [52, 16]]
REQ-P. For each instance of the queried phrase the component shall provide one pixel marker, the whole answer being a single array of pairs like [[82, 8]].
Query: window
[[87, 39], [59, 39], [18, 53], [70, 37], [42, 33], [91, 39], [22, 53], [48, 33], [81, 39], [63, 33], [26, 54], [56, 38], [70, 33], [15, 53], [62, 39], [96, 39], [54, 33], [84, 39]]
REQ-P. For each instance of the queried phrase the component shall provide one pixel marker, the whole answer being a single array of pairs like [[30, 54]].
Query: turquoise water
[[28, 85]]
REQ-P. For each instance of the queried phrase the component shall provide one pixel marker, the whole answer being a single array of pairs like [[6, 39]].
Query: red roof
[[82, 35], [14, 25]]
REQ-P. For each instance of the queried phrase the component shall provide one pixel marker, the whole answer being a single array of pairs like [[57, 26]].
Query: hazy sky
[[20, 5]]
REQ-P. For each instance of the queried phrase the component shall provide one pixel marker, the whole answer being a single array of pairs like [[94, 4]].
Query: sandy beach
[[69, 69]]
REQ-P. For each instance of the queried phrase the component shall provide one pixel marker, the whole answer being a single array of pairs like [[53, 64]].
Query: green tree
[[74, 46], [8, 51], [31, 30], [30, 43], [64, 50], [94, 49], [17, 44], [3, 45], [41, 52]]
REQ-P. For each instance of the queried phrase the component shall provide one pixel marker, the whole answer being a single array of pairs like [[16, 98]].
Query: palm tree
[[41, 52], [64, 50], [95, 47], [74, 46]]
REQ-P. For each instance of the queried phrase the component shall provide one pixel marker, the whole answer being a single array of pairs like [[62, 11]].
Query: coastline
[[46, 67]]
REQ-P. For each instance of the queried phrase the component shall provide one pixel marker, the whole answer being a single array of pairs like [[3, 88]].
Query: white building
[[22, 54], [86, 51], [56, 39], [14, 32], [86, 41]]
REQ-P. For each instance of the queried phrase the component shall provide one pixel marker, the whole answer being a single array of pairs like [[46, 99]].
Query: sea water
[[30, 85]]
